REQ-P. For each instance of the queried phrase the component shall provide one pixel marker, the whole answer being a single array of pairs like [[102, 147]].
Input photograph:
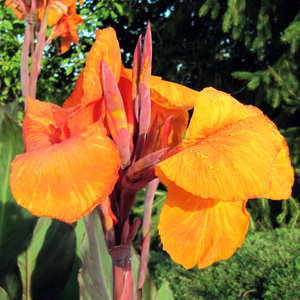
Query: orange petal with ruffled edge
[[42, 124], [282, 176], [213, 111], [105, 47], [67, 180], [201, 231], [234, 163]]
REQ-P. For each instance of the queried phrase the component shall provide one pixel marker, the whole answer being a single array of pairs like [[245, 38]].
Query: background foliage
[[249, 49]]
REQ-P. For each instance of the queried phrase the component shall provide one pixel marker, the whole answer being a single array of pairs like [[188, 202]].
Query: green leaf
[[10, 281], [16, 223], [96, 275], [215, 11], [69, 70], [242, 75], [84, 11], [204, 9], [254, 83], [164, 292], [7, 25], [46, 264], [71, 291], [7, 81], [119, 8], [112, 14], [3, 295]]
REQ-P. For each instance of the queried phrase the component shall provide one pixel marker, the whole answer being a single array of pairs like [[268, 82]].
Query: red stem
[[149, 197], [24, 65]]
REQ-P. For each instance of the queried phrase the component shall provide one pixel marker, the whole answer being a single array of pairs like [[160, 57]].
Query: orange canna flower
[[58, 9], [20, 7], [231, 152], [70, 165], [66, 28]]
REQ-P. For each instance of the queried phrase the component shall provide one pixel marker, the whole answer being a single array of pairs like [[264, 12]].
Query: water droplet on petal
[[216, 139], [211, 167], [232, 134], [215, 146], [191, 165], [204, 156], [43, 110], [218, 169], [36, 173], [198, 153]]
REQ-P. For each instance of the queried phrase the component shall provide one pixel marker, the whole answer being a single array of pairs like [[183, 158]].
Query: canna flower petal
[[89, 88], [170, 99], [208, 231], [19, 7], [228, 156], [70, 165], [214, 110], [43, 124], [68, 179], [282, 176], [172, 95], [233, 164], [66, 28]]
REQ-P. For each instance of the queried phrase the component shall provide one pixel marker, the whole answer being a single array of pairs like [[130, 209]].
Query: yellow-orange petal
[[213, 111], [67, 180], [282, 176], [233, 164], [42, 122], [172, 95], [105, 47], [201, 231]]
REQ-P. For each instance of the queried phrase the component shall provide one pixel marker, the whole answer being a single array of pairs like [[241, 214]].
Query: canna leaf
[[16, 223], [96, 275], [46, 264]]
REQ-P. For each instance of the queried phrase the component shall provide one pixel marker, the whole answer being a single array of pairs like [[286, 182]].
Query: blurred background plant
[[246, 48]]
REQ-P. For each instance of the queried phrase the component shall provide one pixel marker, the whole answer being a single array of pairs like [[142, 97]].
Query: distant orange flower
[[66, 28], [58, 9], [231, 153], [20, 7], [62, 16]]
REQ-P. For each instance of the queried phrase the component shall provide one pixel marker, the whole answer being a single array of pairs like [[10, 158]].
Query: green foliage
[[11, 31], [46, 263], [96, 276], [265, 267], [16, 223]]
